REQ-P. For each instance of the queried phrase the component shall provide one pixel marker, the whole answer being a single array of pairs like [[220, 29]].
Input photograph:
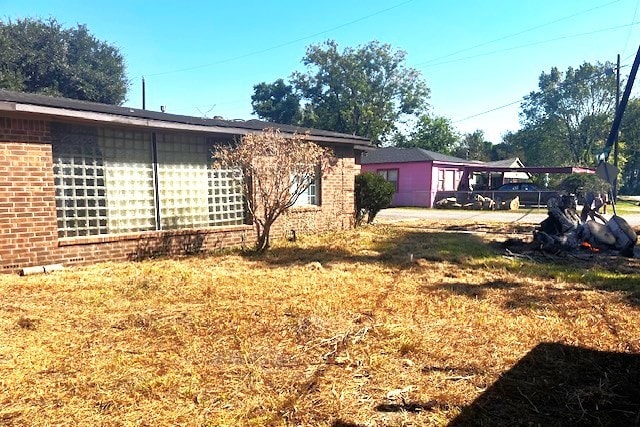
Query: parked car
[[528, 193]]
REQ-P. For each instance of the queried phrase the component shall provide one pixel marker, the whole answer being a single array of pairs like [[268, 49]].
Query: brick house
[[82, 182]]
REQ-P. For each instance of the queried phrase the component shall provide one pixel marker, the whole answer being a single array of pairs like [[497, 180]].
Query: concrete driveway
[[533, 216]]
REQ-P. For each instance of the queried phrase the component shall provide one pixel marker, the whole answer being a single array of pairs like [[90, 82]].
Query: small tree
[[373, 193], [277, 169]]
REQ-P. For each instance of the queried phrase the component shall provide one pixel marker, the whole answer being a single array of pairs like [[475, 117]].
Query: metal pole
[[143, 95], [614, 188]]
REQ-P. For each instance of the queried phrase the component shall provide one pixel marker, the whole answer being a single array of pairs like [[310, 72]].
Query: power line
[[529, 45], [629, 34], [524, 98], [519, 33], [595, 76], [489, 111], [257, 52]]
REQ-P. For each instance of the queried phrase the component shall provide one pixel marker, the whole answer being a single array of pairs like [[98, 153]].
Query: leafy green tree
[[372, 193], [578, 104], [629, 158], [276, 102], [503, 151], [431, 133], [474, 146], [539, 144], [366, 91], [43, 57]]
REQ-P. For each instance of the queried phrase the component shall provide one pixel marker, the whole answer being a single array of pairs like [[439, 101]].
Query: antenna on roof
[[205, 114]]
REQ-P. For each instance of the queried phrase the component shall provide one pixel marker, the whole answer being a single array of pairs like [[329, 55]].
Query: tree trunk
[[263, 242]]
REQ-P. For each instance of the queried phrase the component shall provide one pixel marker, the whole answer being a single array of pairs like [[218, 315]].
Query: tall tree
[[474, 146], [276, 102], [367, 90], [43, 57], [431, 133], [630, 149], [539, 144], [503, 151], [579, 103]]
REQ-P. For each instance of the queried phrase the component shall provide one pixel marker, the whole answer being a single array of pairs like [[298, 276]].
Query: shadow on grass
[[605, 270], [408, 247], [476, 291], [633, 298], [340, 423], [518, 297], [609, 274], [413, 407], [558, 385], [400, 248]]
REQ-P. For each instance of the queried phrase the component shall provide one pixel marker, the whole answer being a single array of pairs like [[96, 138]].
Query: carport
[[466, 194]]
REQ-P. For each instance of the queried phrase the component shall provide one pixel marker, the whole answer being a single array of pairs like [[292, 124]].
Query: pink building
[[417, 174]]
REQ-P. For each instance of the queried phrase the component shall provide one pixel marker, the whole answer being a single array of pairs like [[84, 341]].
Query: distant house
[[421, 177], [496, 180], [417, 174], [82, 182]]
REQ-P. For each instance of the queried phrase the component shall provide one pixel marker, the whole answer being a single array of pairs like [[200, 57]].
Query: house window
[[183, 181], [108, 182], [79, 176], [447, 179], [226, 201], [310, 196], [129, 180], [441, 180], [390, 175]]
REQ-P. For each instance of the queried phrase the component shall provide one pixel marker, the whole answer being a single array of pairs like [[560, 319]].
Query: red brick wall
[[28, 228], [28, 234], [336, 209]]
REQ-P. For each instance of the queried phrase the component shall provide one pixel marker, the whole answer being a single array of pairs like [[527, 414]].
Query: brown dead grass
[[340, 330]]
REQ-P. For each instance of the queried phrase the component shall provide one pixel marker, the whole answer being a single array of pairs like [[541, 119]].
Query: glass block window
[[108, 182], [183, 181], [104, 181], [226, 200], [78, 168], [129, 178]]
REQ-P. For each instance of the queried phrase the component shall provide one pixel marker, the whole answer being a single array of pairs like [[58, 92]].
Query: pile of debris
[[477, 202], [564, 229]]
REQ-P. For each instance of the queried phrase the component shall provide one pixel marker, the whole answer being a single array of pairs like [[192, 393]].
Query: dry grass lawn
[[341, 330]]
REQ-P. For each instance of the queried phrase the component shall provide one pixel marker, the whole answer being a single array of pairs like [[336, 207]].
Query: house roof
[[513, 162], [406, 155], [93, 111]]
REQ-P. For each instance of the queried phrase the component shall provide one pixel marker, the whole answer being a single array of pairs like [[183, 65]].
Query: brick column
[[28, 230]]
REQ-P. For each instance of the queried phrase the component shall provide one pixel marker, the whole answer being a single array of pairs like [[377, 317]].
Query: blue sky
[[202, 58]]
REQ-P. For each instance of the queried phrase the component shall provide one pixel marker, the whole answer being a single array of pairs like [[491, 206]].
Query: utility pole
[[614, 189]]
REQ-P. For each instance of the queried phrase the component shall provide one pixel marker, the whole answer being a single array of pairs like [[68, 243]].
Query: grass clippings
[[380, 326]]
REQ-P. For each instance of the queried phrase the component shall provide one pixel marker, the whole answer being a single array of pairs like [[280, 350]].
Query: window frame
[[311, 197], [385, 174]]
